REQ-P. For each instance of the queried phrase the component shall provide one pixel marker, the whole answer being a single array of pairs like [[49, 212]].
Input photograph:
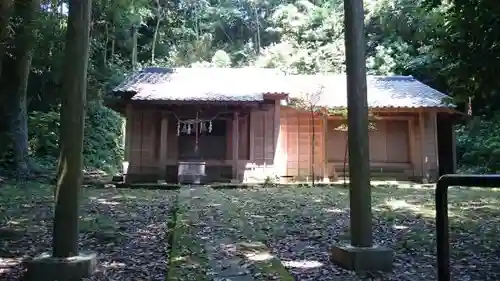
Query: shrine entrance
[[202, 140], [202, 144]]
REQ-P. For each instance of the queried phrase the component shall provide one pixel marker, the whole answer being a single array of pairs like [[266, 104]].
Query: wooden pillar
[[276, 122], [357, 121], [251, 144], [325, 149], [163, 145], [435, 161], [362, 254], [454, 147], [423, 152], [128, 132], [236, 134], [411, 146]]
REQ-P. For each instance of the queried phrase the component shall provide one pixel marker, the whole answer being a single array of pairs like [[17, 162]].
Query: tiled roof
[[204, 84], [250, 84], [382, 91]]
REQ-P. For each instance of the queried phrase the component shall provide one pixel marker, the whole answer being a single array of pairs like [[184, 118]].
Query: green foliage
[[103, 147], [43, 141], [453, 47], [221, 59], [471, 50], [478, 146], [103, 143], [311, 39]]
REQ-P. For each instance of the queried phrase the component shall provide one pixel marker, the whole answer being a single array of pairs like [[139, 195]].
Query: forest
[[452, 46]]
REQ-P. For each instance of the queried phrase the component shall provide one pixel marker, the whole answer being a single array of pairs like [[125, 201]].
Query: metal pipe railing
[[442, 222]]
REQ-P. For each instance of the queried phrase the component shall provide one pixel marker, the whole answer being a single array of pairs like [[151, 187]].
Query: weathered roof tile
[[382, 91], [204, 84], [250, 84]]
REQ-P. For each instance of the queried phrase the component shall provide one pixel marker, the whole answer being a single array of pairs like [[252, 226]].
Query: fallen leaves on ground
[[127, 228], [233, 246], [300, 226], [303, 224]]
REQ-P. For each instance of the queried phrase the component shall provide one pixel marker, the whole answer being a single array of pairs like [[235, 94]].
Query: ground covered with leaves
[[127, 228], [256, 234], [302, 224], [213, 241]]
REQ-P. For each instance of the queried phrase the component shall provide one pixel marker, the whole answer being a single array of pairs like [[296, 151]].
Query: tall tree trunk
[[113, 30], [106, 42], [155, 34], [134, 47], [16, 82], [113, 44], [257, 30], [106, 32], [73, 102]]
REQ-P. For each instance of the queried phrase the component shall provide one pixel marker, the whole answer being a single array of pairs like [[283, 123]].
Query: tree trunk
[[113, 43], [257, 30], [155, 34], [73, 102], [106, 42], [113, 30], [15, 81], [134, 47]]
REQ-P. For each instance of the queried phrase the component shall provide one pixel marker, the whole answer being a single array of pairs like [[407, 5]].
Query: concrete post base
[[374, 258], [47, 268]]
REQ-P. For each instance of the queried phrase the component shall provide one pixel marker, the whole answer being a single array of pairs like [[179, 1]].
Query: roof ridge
[[394, 78], [164, 70], [243, 83]]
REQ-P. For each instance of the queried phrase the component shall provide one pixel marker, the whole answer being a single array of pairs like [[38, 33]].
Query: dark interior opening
[[211, 145]]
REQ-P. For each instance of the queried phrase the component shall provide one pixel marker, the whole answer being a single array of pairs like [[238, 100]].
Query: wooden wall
[[143, 140], [278, 141], [396, 144], [296, 138], [263, 134], [144, 145], [243, 138], [389, 141]]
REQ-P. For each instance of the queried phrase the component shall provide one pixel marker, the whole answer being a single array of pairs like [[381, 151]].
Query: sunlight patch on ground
[[122, 197], [113, 264], [482, 189], [391, 184], [394, 205], [334, 210], [179, 258], [9, 261], [261, 256], [106, 202], [16, 222], [302, 264], [400, 227], [258, 216]]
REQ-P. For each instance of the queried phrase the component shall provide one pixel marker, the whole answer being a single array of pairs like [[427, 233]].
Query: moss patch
[[188, 260]]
